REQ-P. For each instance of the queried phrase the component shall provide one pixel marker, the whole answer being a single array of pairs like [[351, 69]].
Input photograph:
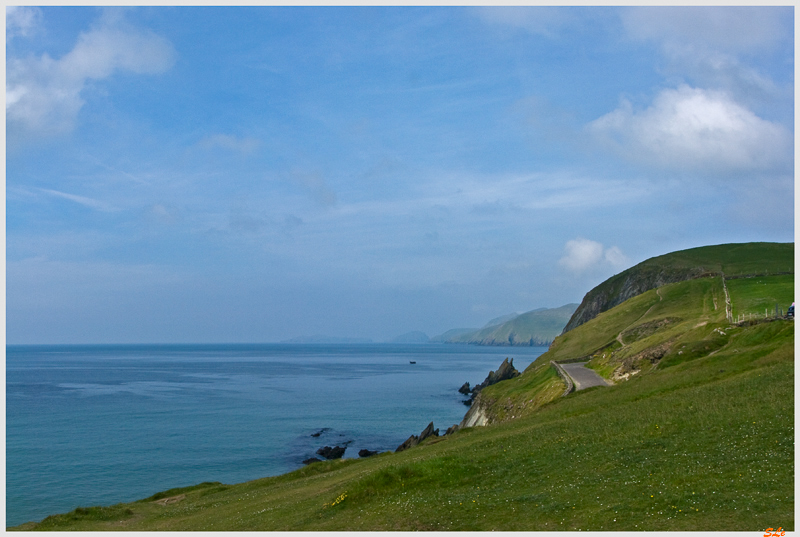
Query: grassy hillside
[[695, 435], [537, 327], [730, 260]]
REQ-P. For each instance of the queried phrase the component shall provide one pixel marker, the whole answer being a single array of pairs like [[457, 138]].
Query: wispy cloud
[[21, 21], [43, 95], [231, 143], [91, 203], [542, 20], [728, 29]]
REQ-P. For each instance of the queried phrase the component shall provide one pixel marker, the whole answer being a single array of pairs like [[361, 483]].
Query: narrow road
[[582, 376]]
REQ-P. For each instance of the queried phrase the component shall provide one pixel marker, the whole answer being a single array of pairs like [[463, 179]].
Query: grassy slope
[[702, 441], [755, 295]]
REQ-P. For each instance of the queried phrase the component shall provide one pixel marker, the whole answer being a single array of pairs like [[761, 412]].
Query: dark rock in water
[[413, 440], [451, 430], [464, 388], [315, 434], [331, 452], [312, 460], [318, 433], [468, 402], [366, 453]]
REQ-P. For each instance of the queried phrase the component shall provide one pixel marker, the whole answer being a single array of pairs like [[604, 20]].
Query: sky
[[255, 174]]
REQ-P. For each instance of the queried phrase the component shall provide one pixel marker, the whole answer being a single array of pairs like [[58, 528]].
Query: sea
[[101, 424]]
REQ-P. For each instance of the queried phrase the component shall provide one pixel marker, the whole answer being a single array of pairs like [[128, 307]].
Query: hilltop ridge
[[730, 260]]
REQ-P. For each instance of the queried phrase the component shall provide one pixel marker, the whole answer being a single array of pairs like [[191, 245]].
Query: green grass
[[757, 295]]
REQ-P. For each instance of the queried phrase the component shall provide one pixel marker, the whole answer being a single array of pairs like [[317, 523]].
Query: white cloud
[[21, 21], [582, 255], [43, 95], [696, 129]]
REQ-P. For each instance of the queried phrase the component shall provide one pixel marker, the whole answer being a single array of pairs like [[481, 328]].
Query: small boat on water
[[412, 362]]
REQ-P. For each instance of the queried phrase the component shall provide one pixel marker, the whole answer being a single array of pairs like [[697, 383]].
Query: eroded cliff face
[[476, 415], [628, 284]]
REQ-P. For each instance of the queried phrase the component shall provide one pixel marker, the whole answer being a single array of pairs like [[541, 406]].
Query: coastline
[[250, 426]]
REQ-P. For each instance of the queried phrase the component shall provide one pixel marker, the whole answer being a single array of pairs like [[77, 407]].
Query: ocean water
[[102, 424]]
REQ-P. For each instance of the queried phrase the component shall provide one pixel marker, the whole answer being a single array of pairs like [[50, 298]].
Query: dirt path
[[619, 336]]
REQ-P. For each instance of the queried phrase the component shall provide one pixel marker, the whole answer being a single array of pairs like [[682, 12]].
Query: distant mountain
[[503, 319], [536, 327], [411, 337], [450, 334], [326, 339]]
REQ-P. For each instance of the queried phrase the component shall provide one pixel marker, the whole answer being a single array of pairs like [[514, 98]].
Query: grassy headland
[[696, 434]]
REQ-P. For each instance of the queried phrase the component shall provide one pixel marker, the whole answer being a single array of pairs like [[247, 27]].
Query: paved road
[[582, 376]]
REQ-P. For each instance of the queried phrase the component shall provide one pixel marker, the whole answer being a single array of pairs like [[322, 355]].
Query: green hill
[[728, 260], [537, 327], [696, 434]]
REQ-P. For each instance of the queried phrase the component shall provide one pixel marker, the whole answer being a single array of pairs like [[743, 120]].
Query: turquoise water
[[98, 425]]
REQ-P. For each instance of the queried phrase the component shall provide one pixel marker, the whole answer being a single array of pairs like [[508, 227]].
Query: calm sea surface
[[98, 425]]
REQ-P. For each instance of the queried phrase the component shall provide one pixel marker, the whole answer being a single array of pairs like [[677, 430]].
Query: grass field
[[759, 295], [700, 437]]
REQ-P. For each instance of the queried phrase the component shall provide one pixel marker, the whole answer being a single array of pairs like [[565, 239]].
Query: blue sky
[[256, 174]]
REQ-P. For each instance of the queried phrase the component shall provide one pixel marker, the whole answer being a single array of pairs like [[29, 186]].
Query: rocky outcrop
[[504, 372], [332, 452], [464, 388], [366, 453], [475, 416], [451, 429], [312, 460], [414, 440]]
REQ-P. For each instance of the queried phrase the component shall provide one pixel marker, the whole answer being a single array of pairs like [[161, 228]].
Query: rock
[[451, 430], [318, 433], [366, 453], [331, 452], [464, 388], [504, 372], [428, 431], [312, 460], [412, 441]]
